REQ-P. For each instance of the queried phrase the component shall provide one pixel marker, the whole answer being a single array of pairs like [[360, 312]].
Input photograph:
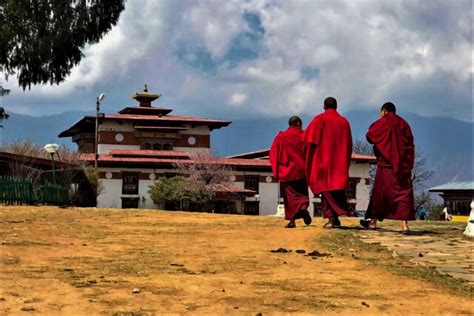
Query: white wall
[[362, 195], [268, 198], [360, 170], [143, 188], [110, 197], [105, 148]]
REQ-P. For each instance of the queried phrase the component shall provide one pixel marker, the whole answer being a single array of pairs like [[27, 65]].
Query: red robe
[[287, 155], [288, 166], [328, 157], [329, 152], [392, 195]]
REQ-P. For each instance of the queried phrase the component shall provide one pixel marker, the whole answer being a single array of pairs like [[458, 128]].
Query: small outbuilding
[[457, 196]]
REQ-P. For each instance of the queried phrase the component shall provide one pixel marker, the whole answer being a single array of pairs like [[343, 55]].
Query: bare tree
[[420, 173], [205, 175], [72, 165], [23, 167]]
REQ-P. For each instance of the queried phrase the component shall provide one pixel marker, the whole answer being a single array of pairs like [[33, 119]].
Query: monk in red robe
[[392, 195], [287, 157], [328, 155]]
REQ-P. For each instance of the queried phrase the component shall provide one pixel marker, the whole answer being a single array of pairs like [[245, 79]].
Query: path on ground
[[89, 261], [452, 255]]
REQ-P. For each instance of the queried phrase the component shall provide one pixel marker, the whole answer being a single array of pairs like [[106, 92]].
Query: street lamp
[[97, 110], [3, 116], [52, 149]]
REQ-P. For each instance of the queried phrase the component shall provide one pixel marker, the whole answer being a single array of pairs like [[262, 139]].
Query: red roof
[[127, 160], [361, 157], [263, 154], [190, 119], [149, 153], [41, 163], [87, 122]]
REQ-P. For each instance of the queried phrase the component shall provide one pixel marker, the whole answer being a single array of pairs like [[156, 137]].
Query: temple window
[[251, 182]]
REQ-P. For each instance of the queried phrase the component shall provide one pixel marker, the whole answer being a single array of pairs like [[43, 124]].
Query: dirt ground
[[89, 261]]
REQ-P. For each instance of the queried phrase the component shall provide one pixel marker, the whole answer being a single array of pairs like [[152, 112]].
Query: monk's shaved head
[[330, 103], [295, 121], [389, 107]]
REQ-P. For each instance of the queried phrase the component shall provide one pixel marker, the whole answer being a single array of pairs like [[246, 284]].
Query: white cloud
[[238, 98], [361, 52], [213, 23]]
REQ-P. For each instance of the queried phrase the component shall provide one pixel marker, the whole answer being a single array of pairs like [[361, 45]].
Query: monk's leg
[[288, 211], [291, 224], [327, 204], [336, 202], [301, 200], [296, 200], [373, 224], [369, 221], [284, 195], [405, 228]]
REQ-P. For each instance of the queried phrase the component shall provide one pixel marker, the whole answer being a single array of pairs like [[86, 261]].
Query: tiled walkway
[[453, 255]]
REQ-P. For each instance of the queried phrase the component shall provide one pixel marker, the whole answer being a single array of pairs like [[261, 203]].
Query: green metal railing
[[21, 191], [53, 194], [16, 191]]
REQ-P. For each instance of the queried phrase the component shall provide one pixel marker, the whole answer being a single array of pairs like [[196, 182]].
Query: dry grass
[[88, 261]]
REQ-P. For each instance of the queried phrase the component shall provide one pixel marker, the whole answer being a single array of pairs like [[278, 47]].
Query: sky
[[255, 58]]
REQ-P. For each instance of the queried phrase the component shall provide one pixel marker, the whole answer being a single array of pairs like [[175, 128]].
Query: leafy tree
[[42, 40], [170, 193]]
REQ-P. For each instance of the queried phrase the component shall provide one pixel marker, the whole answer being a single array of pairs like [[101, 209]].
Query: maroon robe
[[392, 195], [328, 157], [287, 160]]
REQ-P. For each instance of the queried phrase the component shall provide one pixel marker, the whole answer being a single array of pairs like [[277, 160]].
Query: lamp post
[[97, 112], [52, 149], [3, 116]]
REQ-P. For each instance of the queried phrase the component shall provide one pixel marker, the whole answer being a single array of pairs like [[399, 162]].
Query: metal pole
[[97, 109], [54, 173]]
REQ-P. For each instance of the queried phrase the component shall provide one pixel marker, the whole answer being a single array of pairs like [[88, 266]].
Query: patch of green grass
[[340, 241]]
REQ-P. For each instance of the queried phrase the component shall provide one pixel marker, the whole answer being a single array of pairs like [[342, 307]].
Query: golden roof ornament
[[144, 98]]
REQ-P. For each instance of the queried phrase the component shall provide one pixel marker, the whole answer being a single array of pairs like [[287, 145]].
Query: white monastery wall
[[110, 196], [106, 148], [268, 198]]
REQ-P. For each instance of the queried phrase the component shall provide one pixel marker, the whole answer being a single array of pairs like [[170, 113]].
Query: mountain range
[[446, 143]]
